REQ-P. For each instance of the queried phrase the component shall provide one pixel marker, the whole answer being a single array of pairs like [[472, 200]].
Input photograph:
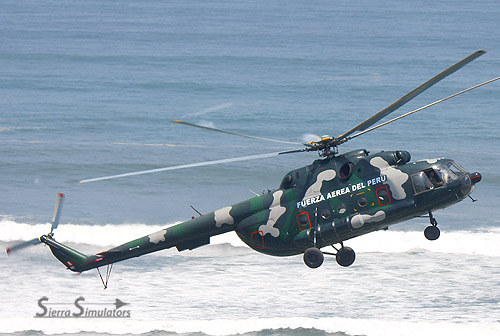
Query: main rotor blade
[[22, 245], [233, 133], [423, 107], [190, 165], [403, 100]]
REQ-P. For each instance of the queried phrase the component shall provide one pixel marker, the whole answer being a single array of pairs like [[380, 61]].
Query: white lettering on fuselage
[[342, 191], [377, 180]]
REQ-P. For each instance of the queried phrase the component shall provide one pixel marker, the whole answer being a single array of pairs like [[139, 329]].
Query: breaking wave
[[479, 242]]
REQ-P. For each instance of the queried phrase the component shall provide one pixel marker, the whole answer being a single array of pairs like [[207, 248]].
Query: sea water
[[89, 89]]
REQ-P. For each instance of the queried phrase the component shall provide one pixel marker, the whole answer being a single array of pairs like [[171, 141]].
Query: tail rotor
[[54, 224]]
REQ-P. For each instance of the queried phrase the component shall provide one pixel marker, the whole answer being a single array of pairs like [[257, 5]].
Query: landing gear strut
[[345, 256], [432, 232]]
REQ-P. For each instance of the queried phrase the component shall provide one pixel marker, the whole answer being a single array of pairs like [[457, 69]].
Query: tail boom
[[184, 236], [188, 235]]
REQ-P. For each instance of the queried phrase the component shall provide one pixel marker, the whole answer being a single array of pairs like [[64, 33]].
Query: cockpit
[[437, 176]]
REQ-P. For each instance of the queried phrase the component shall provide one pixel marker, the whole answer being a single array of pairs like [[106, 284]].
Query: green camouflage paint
[[328, 202]]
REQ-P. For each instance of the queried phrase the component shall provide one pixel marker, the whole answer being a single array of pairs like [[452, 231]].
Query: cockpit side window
[[427, 180], [421, 182], [434, 177]]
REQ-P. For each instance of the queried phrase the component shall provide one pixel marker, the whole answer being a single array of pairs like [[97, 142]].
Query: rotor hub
[[327, 146]]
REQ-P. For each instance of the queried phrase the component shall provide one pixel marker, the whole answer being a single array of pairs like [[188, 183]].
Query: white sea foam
[[479, 242]]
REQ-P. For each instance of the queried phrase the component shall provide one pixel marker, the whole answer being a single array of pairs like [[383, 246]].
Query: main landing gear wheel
[[345, 256], [313, 257]]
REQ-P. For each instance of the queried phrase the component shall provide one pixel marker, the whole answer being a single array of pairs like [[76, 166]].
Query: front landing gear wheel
[[432, 232], [313, 257], [345, 256]]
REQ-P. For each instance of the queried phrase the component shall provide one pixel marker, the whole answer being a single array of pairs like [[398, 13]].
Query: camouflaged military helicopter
[[334, 199]]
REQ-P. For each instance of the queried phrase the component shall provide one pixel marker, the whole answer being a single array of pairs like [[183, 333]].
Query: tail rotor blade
[[57, 212], [23, 245], [55, 223]]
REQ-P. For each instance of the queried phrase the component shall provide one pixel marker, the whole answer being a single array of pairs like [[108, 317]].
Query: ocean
[[88, 89]]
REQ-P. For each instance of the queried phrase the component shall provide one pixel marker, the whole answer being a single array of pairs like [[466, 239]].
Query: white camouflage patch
[[276, 211], [315, 188], [157, 237], [395, 177], [429, 161], [358, 221], [222, 216]]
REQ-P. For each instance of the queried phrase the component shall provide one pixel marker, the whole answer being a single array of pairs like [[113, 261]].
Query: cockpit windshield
[[437, 176], [448, 171]]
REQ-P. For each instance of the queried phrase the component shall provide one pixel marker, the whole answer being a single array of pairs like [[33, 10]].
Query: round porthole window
[[362, 201], [341, 208], [325, 213]]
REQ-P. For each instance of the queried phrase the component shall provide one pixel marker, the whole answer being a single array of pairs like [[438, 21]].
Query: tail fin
[[72, 259]]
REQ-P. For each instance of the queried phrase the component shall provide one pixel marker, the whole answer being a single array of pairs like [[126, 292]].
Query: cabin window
[[362, 201], [341, 208], [383, 196], [303, 221], [325, 213]]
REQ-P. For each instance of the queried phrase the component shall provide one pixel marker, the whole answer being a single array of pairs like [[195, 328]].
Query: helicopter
[[335, 198]]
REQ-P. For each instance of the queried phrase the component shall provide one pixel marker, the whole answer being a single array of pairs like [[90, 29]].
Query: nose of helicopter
[[467, 182]]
